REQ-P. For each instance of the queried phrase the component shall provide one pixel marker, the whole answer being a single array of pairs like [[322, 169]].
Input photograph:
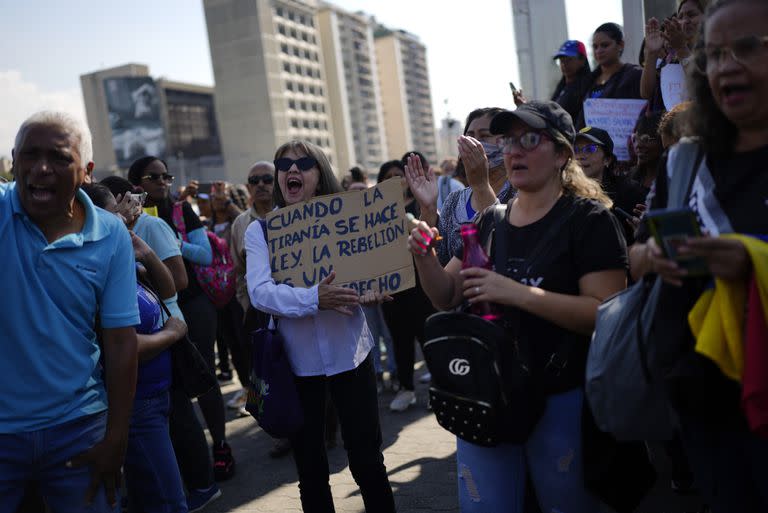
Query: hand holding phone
[[671, 228]]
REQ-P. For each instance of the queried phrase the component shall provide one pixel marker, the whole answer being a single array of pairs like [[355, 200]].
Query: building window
[[299, 70], [316, 124], [302, 20], [320, 91], [307, 54], [314, 40], [291, 16], [281, 29], [301, 88], [287, 67], [295, 123], [280, 11], [314, 107], [322, 108], [304, 36], [303, 106], [289, 85], [296, 51], [291, 104], [293, 33], [305, 123], [311, 89], [284, 48]]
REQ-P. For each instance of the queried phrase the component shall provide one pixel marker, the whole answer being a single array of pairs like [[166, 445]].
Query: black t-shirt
[[191, 222], [626, 194], [590, 240]]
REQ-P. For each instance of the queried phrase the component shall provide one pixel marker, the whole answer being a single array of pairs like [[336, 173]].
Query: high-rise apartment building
[[407, 103], [353, 87], [270, 83]]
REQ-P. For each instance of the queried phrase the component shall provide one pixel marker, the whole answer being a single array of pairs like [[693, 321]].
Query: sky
[[47, 44]]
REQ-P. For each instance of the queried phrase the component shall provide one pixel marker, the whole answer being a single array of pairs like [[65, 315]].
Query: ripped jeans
[[492, 479]]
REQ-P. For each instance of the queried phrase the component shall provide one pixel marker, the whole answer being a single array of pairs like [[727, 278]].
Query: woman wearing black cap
[[594, 151], [612, 79], [551, 300]]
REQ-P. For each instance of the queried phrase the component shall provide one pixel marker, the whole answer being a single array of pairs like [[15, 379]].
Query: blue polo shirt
[[49, 357]]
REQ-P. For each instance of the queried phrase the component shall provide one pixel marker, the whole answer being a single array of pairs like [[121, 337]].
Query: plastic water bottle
[[475, 256]]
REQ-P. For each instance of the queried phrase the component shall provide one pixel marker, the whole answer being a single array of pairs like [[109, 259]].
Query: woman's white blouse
[[318, 342]]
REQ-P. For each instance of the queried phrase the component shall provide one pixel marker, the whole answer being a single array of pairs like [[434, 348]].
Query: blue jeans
[[152, 475], [492, 479], [41, 456]]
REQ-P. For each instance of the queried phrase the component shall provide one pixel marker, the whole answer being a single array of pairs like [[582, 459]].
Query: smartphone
[[140, 198], [671, 228], [512, 87], [204, 187]]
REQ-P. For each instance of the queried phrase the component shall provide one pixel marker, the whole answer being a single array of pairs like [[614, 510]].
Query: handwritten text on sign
[[673, 89], [362, 235], [617, 117]]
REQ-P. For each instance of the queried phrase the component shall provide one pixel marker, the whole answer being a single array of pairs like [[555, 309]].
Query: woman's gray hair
[[67, 121]]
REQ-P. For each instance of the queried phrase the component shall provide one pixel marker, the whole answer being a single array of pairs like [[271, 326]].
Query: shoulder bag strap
[[687, 160]]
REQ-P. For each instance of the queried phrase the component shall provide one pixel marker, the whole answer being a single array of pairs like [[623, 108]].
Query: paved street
[[419, 455]]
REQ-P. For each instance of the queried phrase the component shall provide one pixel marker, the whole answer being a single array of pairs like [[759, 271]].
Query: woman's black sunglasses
[[255, 179], [304, 163]]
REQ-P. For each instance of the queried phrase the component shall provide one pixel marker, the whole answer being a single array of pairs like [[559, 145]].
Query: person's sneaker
[[224, 376], [403, 400], [223, 462], [238, 400], [198, 499], [425, 378], [280, 448]]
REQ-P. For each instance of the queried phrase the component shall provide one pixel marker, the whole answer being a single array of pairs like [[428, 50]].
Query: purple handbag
[[272, 396]]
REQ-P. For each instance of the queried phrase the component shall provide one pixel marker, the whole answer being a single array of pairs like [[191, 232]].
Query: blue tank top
[[154, 376]]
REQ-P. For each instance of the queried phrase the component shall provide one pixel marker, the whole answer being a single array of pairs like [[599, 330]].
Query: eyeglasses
[[644, 139], [528, 141], [304, 163], [745, 51], [166, 177], [255, 179], [588, 149]]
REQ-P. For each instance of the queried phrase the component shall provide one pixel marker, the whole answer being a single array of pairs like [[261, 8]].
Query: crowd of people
[[109, 280]]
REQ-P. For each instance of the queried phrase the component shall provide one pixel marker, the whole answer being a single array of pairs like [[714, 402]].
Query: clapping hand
[[423, 182], [475, 161], [333, 297], [654, 39]]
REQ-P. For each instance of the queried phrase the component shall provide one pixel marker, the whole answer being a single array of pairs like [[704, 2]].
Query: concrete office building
[[540, 28], [97, 111], [270, 84], [449, 132], [353, 87], [406, 99], [172, 120]]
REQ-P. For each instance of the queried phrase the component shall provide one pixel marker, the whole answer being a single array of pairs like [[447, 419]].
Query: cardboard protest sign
[[362, 235], [673, 90], [617, 117]]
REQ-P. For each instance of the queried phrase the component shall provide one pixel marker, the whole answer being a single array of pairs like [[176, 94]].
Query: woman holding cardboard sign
[[328, 345]]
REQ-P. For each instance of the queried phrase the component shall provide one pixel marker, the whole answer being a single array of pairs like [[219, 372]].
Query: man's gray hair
[[67, 121], [262, 163]]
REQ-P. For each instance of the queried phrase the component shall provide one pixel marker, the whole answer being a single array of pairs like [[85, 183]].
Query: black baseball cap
[[597, 136], [549, 116]]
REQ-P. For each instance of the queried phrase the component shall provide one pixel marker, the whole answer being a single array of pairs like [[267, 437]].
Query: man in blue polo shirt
[[64, 263]]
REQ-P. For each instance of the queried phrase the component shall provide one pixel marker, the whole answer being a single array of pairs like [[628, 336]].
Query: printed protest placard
[[617, 117], [362, 235], [673, 90]]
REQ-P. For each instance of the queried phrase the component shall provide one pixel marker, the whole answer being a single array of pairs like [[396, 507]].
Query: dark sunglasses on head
[[304, 163], [589, 148], [167, 177], [267, 179]]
